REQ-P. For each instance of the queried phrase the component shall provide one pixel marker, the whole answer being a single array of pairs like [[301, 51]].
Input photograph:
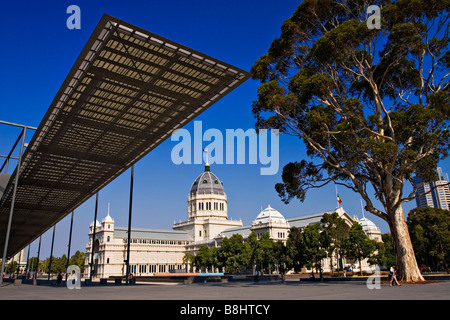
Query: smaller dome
[[97, 224], [367, 225], [108, 219], [269, 215]]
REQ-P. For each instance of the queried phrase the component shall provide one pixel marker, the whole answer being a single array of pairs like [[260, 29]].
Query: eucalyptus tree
[[370, 104]]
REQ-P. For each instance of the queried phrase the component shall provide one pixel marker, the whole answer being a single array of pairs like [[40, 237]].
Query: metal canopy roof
[[127, 92]]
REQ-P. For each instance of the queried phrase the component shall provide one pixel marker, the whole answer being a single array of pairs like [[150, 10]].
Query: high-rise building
[[439, 197]]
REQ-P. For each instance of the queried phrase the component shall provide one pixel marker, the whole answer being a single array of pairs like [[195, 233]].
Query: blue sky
[[39, 50]]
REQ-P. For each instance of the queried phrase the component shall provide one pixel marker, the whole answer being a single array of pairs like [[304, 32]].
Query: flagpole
[[206, 150], [337, 201], [362, 208]]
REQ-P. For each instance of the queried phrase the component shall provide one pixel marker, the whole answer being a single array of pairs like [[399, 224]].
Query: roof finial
[[207, 168]]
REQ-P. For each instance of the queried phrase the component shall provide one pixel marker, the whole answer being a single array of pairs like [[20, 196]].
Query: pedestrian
[[393, 277], [59, 279]]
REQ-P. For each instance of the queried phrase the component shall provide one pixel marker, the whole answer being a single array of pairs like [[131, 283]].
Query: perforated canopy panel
[[127, 92]]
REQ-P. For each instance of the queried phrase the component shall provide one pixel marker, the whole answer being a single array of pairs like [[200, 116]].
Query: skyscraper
[[439, 197]]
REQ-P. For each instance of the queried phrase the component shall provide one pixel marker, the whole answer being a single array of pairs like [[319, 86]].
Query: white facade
[[155, 251]]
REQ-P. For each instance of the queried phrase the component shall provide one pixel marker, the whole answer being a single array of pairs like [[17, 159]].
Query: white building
[[162, 251]]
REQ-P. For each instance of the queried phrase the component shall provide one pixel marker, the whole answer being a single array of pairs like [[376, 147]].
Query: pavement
[[216, 300], [275, 290]]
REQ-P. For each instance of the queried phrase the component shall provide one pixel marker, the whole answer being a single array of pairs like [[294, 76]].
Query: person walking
[[393, 276]]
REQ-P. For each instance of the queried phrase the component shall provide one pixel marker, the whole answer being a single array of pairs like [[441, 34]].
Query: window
[[107, 239], [200, 233], [142, 268]]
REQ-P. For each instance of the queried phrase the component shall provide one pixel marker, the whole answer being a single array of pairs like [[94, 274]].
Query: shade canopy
[[126, 93]]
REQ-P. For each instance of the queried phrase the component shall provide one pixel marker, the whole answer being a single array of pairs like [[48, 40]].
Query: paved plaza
[[291, 290], [243, 300]]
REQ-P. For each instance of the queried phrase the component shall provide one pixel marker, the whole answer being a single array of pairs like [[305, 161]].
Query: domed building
[[371, 230], [207, 209], [161, 251], [271, 221], [154, 251]]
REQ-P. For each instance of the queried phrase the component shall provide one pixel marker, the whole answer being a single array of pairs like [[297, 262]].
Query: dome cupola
[[207, 183], [269, 215]]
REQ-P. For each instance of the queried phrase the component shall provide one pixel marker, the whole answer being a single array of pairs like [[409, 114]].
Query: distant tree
[[281, 258], [252, 241], [430, 235], [78, 260], [188, 259], [335, 231], [204, 259], [264, 256], [296, 249], [11, 267], [32, 263], [378, 255], [313, 246], [357, 245], [234, 254], [59, 264], [371, 105]]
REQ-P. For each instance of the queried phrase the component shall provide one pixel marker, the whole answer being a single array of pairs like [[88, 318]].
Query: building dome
[[207, 183], [108, 218], [269, 215], [367, 225]]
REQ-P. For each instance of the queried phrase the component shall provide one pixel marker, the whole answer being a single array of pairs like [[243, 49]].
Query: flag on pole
[[338, 199]]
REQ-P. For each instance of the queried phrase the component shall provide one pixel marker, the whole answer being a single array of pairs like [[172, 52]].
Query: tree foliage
[[430, 235], [357, 245], [334, 231], [303, 248]]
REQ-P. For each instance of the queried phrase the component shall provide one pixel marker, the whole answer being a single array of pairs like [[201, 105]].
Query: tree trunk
[[360, 268], [407, 268]]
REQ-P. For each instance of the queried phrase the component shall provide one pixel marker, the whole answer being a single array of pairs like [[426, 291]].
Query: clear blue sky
[[38, 51]]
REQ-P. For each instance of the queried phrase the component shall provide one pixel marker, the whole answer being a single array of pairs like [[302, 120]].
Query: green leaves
[[357, 245], [368, 104], [430, 234]]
